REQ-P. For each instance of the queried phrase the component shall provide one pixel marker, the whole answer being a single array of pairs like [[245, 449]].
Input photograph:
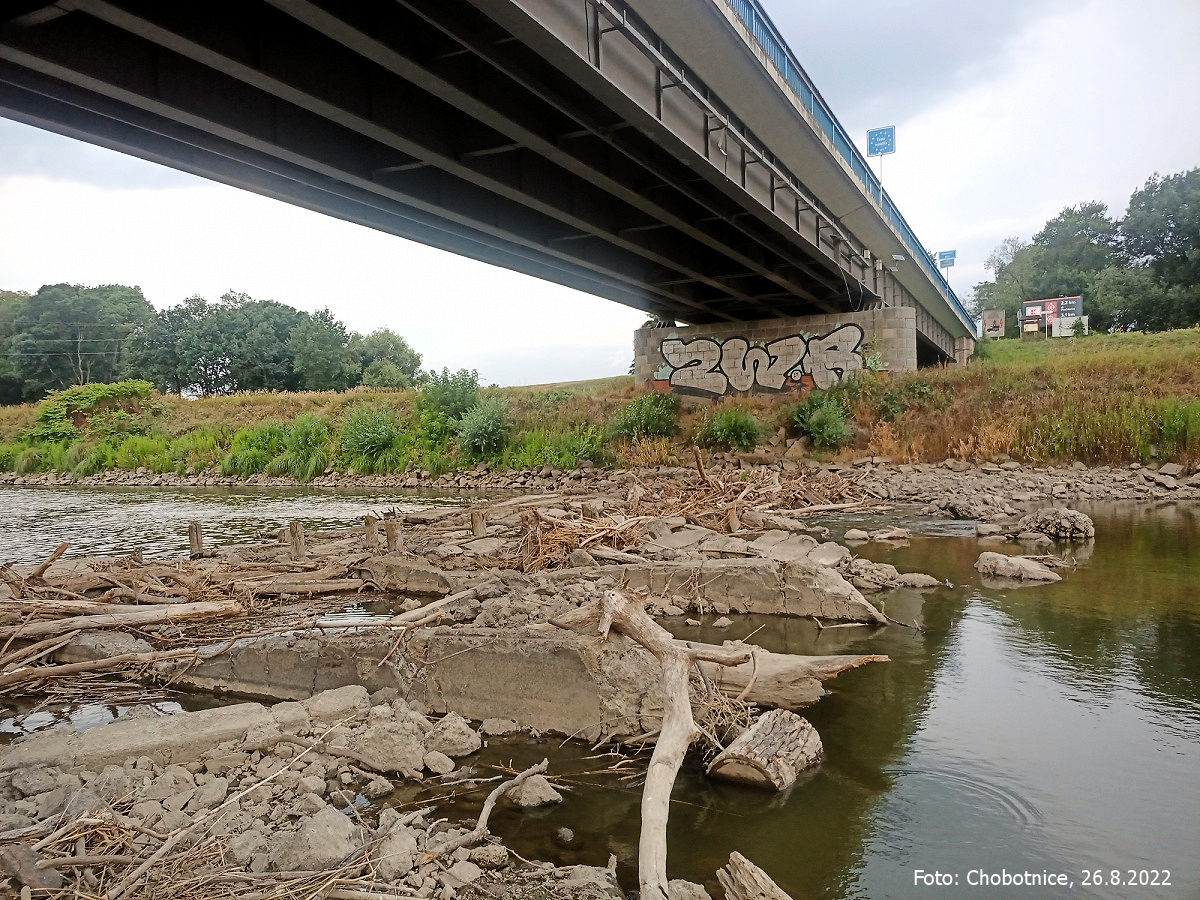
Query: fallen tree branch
[[480, 831], [157, 614]]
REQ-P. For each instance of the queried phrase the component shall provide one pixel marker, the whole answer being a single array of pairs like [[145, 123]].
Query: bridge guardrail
[[760, 26]]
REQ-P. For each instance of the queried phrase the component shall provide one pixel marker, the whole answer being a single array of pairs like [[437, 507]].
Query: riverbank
[[953, 486], [1102, 400]]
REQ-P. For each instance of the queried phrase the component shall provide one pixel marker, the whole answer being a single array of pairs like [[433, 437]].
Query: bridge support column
[[963, 348], [775, 354]]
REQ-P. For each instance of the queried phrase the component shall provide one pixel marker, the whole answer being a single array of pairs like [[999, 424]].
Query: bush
[[650, 415], [383, 373], [484, 427], [901, 396], [366, 436], [28, 460], [252, 449], [307, 454], [139, 450], [196, 449], [8, 456], [61, 412], [731, 429], [95, 459], [451, 393], [538, 447], [821, 418]]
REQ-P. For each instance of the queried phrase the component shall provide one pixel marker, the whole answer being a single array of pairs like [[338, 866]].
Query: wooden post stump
[[195, 539], [371, 532], [771, 753], [296, 539], [478, 523], [391, 530]]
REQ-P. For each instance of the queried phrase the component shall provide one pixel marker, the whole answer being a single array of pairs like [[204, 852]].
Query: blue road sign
[[946, 258], [881, 140]]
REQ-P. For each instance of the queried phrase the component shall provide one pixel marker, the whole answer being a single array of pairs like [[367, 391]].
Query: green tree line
[[1140, 272], [69, 334]]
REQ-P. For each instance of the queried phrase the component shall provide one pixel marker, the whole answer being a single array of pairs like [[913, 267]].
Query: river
[[1050, 729]]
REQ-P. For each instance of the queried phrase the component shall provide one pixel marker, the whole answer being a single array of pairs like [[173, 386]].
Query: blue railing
[[768, 38]]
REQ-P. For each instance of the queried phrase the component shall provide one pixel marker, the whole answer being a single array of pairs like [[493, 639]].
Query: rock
[[35, 780], [678, 889], [672, 610], [395, 744], [321, 842], [829, 554], [21, 862], [497, 727], [1034, 537], [112, 784], [591, 883], [917, 580], [723, 622], [462, 873], [397, 853], [534, 791], [891, 534], [489, 856], [208, 795], [693, 623], [564, 836], [1063, 524], [857, 534], [581, 559], [438, 763], [984, 529], [1174, 470], [1020, 568], [453, 736], [377, 787]]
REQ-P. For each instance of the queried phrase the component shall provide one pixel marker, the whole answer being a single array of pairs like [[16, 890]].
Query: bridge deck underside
[[430, 120]]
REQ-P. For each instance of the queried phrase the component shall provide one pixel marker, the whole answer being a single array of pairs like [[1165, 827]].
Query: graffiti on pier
[[708, 366]]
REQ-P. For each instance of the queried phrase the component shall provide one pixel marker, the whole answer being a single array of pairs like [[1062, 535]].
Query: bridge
[[681, 164]]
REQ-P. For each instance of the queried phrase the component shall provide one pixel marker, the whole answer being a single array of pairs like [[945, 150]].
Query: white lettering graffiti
[[703, 365]]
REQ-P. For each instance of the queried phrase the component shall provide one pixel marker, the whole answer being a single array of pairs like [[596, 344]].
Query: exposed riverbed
[[1040, 728]]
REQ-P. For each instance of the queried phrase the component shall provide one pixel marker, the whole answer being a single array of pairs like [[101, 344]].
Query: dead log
[[279, 586], [743, 880], [771, 753], [678, 727], [40, 571], [140, 615], [783, 680]]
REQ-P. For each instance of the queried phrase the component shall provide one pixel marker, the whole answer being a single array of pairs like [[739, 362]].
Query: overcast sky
[[1005, 114]]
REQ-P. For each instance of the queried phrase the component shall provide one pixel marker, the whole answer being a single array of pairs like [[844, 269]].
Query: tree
[[386, 346], [320, 346], [68, 334], [1161, 228]]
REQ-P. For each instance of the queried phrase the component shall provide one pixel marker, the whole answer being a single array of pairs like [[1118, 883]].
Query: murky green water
[[1052, 728]]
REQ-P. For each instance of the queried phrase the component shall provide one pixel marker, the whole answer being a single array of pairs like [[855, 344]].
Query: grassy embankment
[[1100, 399]]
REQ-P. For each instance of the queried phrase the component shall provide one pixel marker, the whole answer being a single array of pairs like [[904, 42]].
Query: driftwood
[[678, 727], [480, 831], [139, 615], [296, 540], [783, 680], [743, 880], [771, 753]]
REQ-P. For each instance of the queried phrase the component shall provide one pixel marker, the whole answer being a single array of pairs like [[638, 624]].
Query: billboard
[[1052, 308], [993, 323]]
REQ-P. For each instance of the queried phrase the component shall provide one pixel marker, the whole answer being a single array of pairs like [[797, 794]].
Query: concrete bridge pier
[[776, 354]]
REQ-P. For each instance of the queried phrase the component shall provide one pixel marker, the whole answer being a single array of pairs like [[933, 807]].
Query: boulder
[[398, 744], [396, 855], [322, 842], [1062, 524], [453, 736], [534, 791], [1018, 568]]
